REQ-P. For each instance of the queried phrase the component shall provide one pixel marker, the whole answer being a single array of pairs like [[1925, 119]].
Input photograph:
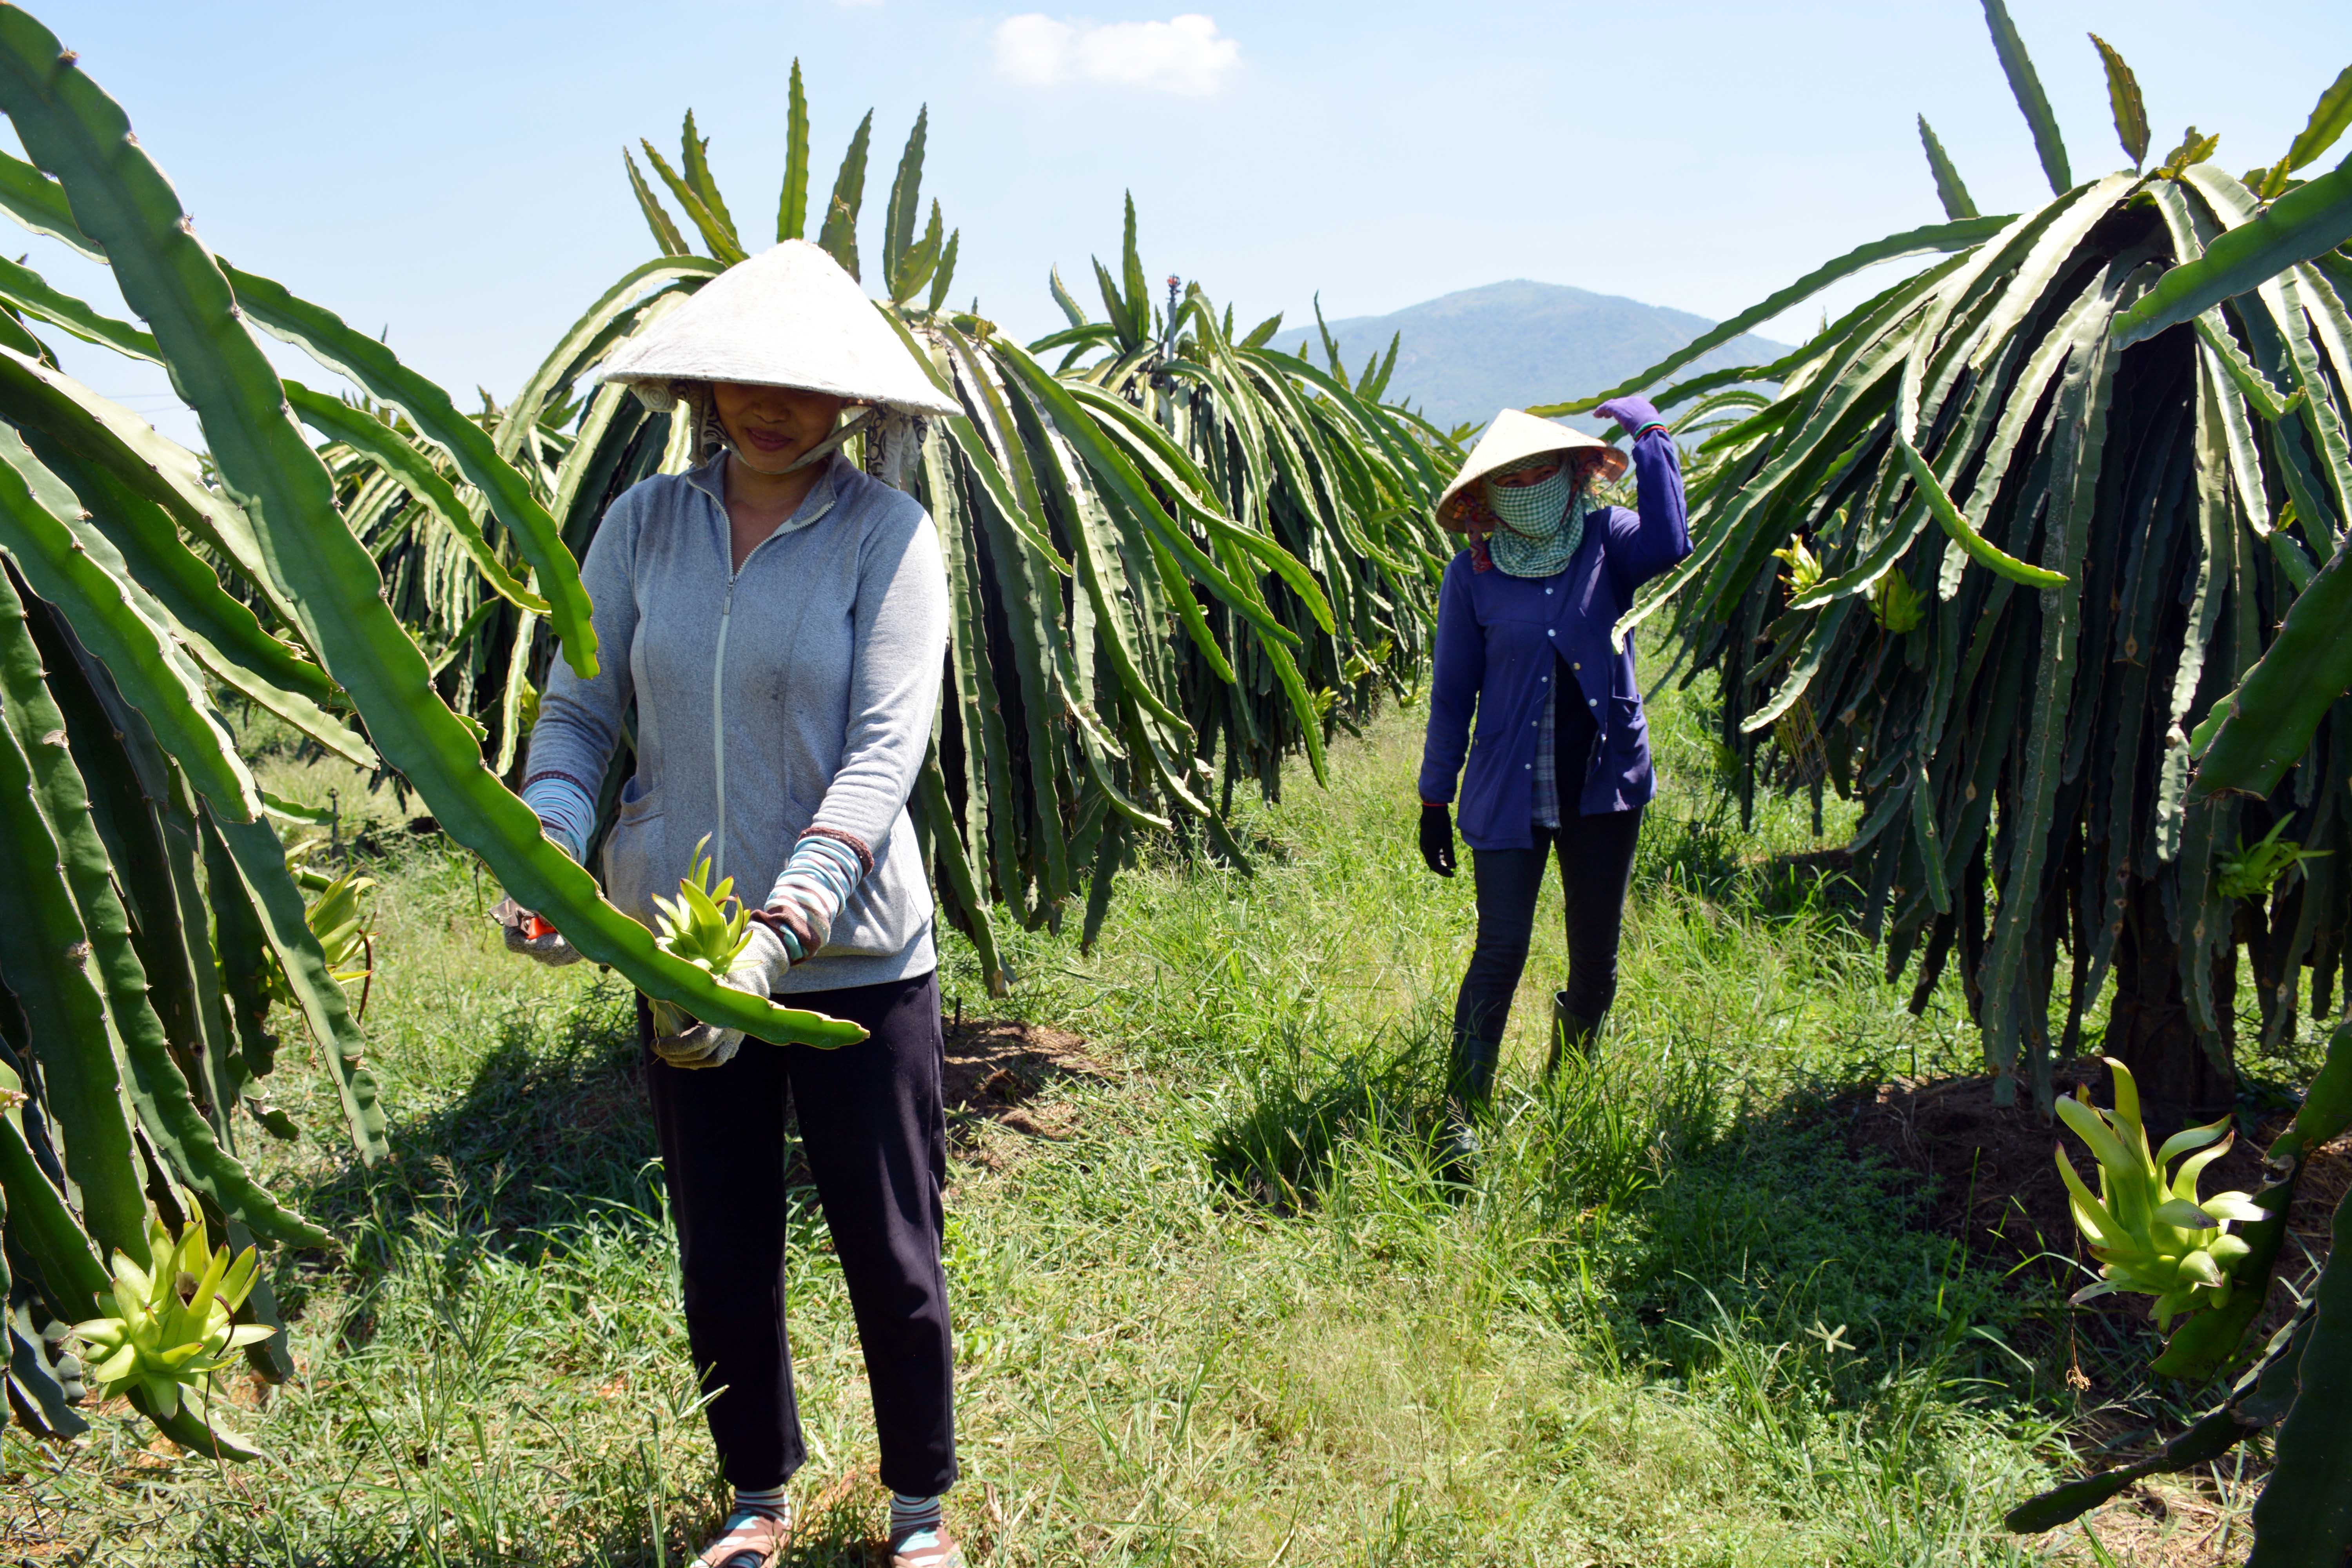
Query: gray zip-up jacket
[[795, 694]]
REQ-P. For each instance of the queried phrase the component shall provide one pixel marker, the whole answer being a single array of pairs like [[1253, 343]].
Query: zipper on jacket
[[718, 673], [719, 720], [718, 702]]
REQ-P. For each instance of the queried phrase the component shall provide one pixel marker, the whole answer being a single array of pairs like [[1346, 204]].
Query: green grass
[[1233, 1316]]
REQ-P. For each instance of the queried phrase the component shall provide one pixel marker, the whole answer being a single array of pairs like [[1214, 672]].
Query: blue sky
[[451, 171]]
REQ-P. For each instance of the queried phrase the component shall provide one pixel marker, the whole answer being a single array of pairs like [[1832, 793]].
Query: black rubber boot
[[1569, 1033], [1469, 1088]]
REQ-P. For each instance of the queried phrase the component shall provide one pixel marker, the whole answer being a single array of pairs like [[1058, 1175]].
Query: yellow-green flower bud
[[2153, 1235]]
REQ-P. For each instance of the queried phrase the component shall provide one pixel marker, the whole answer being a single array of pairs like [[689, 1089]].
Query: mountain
[[1506, 346]]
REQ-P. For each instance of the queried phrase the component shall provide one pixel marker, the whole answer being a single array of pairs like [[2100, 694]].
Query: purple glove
[[1632, 413]]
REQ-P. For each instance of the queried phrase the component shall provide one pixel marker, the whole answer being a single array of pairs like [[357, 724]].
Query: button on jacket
[[1500, 639]]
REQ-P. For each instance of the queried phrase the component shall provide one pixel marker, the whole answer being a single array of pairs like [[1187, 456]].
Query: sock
[[914, 1522], [769, 1500]]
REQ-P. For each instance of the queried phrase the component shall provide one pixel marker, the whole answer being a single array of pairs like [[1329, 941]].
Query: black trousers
[[876, 1136], [1596, 863]]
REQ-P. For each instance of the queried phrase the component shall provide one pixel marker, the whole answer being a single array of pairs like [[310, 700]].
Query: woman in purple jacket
[[1562, 755]]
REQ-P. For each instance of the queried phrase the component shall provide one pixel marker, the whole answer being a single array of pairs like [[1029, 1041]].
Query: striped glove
[[808, 897]]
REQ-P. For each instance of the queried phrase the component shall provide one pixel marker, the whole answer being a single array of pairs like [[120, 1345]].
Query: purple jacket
[[1497, 638]]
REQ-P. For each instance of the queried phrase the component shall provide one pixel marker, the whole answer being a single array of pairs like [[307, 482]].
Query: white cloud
[[1184, 55], [1034, 49]]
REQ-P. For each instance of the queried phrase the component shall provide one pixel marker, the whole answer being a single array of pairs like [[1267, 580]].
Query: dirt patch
[[2166, 1521], [1997, 1190], [999, 1082]]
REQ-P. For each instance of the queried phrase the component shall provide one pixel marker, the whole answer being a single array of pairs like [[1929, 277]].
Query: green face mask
[[1542, 524]]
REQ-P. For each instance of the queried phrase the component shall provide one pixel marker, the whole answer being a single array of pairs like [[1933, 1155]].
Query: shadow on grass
[[1705, 856], [1301, 1114], [1594, 1134], [1778, 1221], [552, 1125], [1647, 1200]]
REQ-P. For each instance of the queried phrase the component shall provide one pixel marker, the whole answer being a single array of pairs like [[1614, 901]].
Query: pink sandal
[[942, 1552], [749, 1539]]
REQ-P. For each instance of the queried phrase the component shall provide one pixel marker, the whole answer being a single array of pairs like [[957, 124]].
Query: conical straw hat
[[1515, 436], [788, 317]]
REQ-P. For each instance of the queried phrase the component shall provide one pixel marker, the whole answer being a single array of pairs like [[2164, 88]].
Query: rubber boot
[[1469, 1088], [1570, 1032]]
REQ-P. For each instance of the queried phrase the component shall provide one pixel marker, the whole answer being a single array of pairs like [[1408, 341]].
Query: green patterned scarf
[[1542, 524]]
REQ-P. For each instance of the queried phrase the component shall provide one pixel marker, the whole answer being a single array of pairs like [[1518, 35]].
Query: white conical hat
[[1515, 436], [788, 317]]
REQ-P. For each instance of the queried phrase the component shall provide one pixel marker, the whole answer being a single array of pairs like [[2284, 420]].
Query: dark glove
[[1632, 413], [1437, 839]]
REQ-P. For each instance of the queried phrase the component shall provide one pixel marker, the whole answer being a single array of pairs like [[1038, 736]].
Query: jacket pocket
[[636, 855], [1629, 748], [639, 801]]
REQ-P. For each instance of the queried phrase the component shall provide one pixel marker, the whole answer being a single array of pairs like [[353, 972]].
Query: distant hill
[[1509, 344]]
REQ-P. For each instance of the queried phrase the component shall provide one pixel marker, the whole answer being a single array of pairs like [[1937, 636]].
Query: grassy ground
[[1230, 1317]]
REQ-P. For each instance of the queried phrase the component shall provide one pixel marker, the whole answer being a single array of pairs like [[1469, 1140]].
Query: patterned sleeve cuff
[[855, 846], [566, 811], [822, 867]]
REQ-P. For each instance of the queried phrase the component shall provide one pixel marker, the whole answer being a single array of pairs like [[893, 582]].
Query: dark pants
[[1596, 862], [876, 1137]]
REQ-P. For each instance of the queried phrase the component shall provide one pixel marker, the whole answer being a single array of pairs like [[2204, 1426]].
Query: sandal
[[942, 1552], [749, 1539]]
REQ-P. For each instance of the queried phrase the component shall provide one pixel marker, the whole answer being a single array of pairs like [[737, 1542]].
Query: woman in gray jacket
[[778, 618]]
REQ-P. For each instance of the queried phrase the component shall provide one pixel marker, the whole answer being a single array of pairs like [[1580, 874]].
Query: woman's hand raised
[[1631, 413]]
